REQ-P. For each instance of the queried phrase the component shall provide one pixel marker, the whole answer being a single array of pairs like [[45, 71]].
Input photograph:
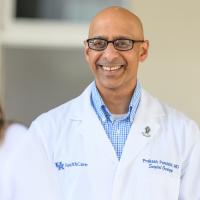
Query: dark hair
[[2, 124]]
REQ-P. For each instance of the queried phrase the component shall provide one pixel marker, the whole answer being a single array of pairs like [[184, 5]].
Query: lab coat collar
[[149, 107], [147, 117]]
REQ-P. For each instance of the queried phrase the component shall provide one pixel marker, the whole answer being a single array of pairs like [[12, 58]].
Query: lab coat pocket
[[160, 179], [74, 179], [164, 186]]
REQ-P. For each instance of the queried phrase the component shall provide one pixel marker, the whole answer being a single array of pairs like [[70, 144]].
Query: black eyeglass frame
[[113, 42]]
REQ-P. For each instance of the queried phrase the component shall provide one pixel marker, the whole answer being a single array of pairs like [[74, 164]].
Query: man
[[115, 141]]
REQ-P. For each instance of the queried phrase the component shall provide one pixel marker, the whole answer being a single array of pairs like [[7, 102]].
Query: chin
[[110, 85]]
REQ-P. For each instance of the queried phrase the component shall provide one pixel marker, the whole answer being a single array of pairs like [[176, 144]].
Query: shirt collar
[[102, 110]]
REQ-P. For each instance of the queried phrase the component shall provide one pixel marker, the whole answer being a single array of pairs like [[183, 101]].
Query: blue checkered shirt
[[117, 130]]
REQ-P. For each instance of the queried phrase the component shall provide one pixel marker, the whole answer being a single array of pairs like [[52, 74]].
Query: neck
[[117, 101]]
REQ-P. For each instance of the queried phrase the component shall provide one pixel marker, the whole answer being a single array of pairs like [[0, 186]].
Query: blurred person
[[1, 125], [24, 172], [115, 141]]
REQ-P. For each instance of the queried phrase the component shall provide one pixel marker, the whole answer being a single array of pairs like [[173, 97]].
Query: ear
[[144, 48], [86, 50]]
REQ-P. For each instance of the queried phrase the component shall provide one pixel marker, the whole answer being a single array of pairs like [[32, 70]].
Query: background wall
[[173, 68], [1, 27], [37, 79]]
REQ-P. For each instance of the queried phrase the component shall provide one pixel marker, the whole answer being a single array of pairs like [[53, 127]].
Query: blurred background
[[41, 52]]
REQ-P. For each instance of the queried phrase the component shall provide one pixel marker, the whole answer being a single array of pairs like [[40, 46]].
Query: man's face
[[114, 69]]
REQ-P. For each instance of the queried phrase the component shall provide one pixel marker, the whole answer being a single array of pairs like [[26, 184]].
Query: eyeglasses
[[100, 44]]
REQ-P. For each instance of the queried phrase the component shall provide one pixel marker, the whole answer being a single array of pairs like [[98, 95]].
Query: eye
[[123, 43], [98, 43]]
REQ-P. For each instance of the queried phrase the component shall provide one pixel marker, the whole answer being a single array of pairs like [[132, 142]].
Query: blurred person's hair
[[2, 124]]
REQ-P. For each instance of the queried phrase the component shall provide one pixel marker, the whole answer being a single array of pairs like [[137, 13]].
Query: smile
[[111, 68]]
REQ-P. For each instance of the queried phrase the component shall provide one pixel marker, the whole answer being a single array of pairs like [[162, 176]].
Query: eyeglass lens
[[101, 44]]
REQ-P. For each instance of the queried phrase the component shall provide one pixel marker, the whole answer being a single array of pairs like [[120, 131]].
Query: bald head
[[112, 17]]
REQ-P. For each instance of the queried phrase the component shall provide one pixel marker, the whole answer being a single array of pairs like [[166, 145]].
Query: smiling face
[[114, 69]]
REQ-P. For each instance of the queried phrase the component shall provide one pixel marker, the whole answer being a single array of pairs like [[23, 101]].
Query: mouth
[[110, 68]]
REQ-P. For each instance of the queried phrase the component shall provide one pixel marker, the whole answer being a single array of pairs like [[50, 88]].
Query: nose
[[110, 52]]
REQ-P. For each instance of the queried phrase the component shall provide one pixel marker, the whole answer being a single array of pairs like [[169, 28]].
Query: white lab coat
[[25, 173], [160, 160]]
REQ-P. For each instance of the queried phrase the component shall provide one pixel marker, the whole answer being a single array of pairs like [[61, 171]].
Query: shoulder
[[171, 118], [49, 127], [155, 105], [71, 109], [16, 129], [14, 134]]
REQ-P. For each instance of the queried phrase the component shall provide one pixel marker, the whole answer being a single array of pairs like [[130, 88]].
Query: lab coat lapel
[[145, 127], [96, 141]]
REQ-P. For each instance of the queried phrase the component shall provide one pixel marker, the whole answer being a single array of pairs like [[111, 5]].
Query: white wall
[[172, 70]]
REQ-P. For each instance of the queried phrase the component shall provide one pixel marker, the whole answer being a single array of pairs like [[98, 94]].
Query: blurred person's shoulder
[[15, 133], [15, 130]]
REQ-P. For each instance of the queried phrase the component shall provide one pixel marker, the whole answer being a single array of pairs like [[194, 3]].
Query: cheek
[[132, 60], [92, 58], [135, 56]]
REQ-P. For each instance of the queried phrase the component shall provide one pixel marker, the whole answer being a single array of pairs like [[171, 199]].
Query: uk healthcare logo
[[61, 165]]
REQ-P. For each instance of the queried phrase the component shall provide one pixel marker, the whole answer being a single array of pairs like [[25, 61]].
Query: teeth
[[111, 68]]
